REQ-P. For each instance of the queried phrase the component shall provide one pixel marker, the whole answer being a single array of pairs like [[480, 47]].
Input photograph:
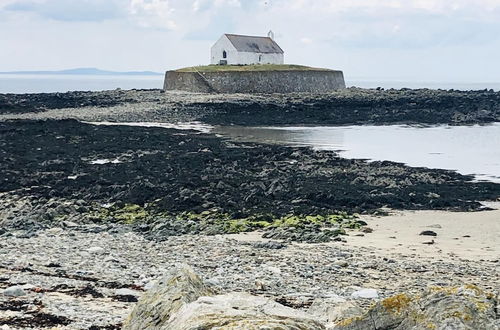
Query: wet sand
[[465, 235]]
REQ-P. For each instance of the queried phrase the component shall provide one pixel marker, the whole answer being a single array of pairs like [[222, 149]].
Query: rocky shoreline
[[352, 106], [90, 277], [92, 215], [171, 182]]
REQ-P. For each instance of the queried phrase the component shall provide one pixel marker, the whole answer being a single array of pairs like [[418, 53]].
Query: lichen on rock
[[465, 307]]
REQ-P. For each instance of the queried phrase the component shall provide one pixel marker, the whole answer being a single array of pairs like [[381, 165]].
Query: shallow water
[[196, 126], [24, 83], [466, 149], [46, 83]]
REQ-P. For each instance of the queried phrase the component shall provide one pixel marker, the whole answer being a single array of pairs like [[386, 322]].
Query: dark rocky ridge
[[178, 171], [352, 106], [38, 102], [361, 107]]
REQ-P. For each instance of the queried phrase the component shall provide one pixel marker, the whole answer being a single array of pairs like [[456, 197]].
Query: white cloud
[[363, 37], [153, 14]]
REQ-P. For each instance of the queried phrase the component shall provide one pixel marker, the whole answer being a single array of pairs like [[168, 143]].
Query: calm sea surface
[[16, 83], [466, 149], [12, 83]]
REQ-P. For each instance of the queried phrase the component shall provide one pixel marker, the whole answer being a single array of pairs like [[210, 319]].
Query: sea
[[26, 83]]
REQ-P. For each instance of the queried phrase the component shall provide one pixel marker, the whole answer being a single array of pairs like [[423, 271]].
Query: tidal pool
[[466, 149]]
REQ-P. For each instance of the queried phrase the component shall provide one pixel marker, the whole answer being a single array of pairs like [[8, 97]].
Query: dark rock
[[273, 245], [428, 233]]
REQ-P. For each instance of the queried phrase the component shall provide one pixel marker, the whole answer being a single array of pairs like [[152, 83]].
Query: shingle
[[254, 44]]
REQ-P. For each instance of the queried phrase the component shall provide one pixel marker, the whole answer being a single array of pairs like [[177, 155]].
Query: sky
[[412, 40]]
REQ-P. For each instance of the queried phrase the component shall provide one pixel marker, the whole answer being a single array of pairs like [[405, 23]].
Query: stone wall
[[293, 81]]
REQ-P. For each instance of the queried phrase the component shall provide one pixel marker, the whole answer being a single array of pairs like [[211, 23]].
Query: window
[[260, 58], [224, 54]]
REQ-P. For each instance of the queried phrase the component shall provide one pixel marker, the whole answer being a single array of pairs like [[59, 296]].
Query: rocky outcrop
[[466, 308], [333, 309], [181, 301], [181, 286], [240, 311], [141, 171]]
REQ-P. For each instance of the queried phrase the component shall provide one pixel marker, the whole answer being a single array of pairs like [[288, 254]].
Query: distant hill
[[88, 71]]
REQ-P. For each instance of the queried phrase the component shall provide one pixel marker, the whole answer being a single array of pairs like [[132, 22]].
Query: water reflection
[[466, 149], [295, 136]]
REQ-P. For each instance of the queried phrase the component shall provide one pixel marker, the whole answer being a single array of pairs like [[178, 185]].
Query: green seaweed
[[128, 213]]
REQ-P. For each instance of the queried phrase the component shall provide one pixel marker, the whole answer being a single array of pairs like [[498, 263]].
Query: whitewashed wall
[[223, 44], [256, 58], [234, 57]]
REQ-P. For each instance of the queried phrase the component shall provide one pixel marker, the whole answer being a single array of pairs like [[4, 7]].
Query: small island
[[250, 67], [248, 64]]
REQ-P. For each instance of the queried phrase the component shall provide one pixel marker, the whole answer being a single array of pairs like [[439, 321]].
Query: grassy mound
[[255, 67]]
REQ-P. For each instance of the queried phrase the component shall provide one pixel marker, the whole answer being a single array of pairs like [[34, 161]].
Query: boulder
[[14, 291], [234, 311], [181, 301], [156, 306], [466, 307]]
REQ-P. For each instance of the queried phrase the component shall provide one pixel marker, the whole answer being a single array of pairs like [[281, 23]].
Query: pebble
[[304, 271], [127, 292], [365, 293], [14, 291], [341, 263], [95, 250], [428, 233]]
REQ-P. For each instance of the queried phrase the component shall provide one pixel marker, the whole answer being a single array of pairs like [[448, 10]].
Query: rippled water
[[466, 149]]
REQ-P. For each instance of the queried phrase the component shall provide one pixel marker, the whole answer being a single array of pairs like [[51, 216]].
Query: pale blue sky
[[421, 40]]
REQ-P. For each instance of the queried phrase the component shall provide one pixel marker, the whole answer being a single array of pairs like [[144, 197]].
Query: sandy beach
[[464, 235]]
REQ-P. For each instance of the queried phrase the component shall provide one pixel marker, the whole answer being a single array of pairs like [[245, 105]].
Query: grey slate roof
[[254, 44]]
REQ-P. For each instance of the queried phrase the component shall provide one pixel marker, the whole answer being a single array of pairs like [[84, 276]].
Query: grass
[[255, 67]]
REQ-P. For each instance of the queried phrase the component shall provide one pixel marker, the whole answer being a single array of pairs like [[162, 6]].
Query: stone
[[127, 292], [240, 311], [272, 269], [69, 224], [332, 309], [341, 263], [466, 307], [366, 230], [95, 250], [14, 291], [157, 305], [365, 293], [428, 233], [273, 245]]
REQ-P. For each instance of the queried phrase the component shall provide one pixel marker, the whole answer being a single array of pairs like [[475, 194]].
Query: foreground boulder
[[240, 311], [181, 286], [181, 301], [466, 307], [333, 309]]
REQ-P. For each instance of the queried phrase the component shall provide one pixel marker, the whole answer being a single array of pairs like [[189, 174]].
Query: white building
[[233, 49]]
